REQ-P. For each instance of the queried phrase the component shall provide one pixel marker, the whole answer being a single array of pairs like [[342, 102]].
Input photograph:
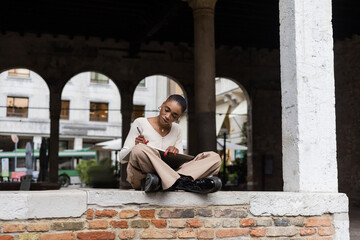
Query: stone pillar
[[126, 112], [55, 108], [308, 96], [78, 143], [204, 70]]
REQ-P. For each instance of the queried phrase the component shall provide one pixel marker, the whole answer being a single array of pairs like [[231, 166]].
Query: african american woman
[[147, 171]]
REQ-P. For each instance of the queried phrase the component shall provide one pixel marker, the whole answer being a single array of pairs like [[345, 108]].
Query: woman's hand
[[140, 139], [171, 151]]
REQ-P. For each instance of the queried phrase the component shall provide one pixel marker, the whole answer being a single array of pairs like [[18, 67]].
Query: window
[[98, 78], [19, 72], [141, 83], [138, 111], [65, 105], [17, 107], [63, 145], [98, 112]]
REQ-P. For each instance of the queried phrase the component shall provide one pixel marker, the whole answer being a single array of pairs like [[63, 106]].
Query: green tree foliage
[[83, 167]]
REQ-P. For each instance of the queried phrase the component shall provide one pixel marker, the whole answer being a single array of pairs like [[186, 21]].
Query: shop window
[[138, 111], [19, 72], [65, 106], [98, 78], [98, 112], [17, 107]]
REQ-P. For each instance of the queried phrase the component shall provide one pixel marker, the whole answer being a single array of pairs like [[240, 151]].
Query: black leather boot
[[203, 185], [209, 185], [151, 183]]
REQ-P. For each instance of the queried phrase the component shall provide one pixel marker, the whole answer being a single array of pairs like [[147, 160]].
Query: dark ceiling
[[246, 23]]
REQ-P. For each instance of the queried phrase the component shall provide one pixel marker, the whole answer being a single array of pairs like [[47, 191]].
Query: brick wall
[[133, 222]]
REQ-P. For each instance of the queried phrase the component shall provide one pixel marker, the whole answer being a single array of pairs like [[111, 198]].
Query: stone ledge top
[[74, 202]]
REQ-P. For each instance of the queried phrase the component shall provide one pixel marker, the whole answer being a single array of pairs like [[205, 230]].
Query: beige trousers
[[144, 159]]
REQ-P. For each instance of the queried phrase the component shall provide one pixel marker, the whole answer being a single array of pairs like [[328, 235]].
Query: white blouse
[[173, 138]]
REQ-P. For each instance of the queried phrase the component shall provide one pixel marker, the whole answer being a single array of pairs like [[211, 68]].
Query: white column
[[308, 96], [78, 143]]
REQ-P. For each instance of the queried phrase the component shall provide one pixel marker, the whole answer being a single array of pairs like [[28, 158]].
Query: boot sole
[[151, 183]]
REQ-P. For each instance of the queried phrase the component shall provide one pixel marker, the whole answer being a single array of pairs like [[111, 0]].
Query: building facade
[[90, 108]]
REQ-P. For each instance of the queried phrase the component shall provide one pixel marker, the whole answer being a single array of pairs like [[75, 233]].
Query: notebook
[[174, 161]]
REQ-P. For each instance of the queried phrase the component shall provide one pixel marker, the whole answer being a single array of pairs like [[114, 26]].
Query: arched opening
[[151, 92], [24, 114], [232, 129], [90, 114]]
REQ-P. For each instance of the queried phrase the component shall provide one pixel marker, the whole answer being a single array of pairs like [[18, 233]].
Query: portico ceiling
[[245, 23]]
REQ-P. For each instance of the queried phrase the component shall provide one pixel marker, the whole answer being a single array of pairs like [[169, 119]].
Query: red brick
[[158, 233], [159, 223], [38, 227], [307, 231], [98, 224], [9, 228], [194, 223], [318, 222], [320, 238], [58, 236], [222, 233], [96, 235], [90, 214], [147, 213], [258, 232], [6, 237], [128, 213], [187, 234], [325, 231], [247, 222], [119, 224], [127, 234], [205, 234], [105, 213]]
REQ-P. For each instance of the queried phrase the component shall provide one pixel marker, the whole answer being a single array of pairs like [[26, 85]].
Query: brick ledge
[[73, 203]]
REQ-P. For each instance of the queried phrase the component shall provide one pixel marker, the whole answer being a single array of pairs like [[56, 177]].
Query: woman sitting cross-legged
[[147, 171]]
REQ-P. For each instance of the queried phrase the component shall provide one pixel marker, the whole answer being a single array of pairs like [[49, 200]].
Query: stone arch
[[94, 102], [172, 87], [29, 94], [249, 168]]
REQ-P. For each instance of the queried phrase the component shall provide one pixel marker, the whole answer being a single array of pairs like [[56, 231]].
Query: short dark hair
[[179, 99]]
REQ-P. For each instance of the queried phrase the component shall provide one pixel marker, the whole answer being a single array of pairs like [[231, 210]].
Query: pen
[[141, 134]]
